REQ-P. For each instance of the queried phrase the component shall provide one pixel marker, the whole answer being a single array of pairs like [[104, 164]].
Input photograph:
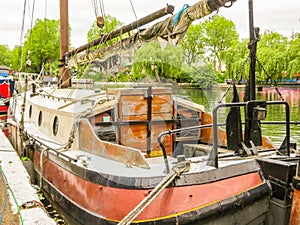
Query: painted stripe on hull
[[116, 203]]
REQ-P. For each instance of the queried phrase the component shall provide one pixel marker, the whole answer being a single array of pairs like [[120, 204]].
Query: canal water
[[276, 132]]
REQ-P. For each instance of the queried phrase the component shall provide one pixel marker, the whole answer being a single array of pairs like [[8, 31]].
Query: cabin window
[[40, 118], [55, 125], [30, 111]]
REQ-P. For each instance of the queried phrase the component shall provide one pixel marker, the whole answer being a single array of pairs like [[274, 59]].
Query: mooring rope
[[176, 171], [12, 194], [5, 195]]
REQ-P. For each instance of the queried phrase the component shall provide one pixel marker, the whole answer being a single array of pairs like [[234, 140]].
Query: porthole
[[40, 118], [55, 126], [30, 111]]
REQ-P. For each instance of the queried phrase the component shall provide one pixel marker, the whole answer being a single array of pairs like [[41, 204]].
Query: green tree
[[5, 56], [193, 44], [294, 56], [272, 52], [219, 35], [110, 24], [203, 76], [42, 45], [152, 61], [16, 57], [236, 60]]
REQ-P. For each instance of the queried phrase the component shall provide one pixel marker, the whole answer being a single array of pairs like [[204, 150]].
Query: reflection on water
[[210, 98], [277, 113]]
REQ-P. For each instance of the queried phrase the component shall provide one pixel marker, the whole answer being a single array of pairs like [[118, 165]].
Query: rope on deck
[[176, 171]]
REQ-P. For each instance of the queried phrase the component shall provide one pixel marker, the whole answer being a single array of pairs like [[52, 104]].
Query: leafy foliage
[[110, 24], [193, 44], [294, 56], [211, 44], [219, 35], [152, 60], [203, 77], [5, 56], [273, 55], [236, 58], [43, 45]]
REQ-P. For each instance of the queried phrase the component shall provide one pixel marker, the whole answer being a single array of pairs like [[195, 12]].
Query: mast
[[65, 79], [252, 125], [252, 47]]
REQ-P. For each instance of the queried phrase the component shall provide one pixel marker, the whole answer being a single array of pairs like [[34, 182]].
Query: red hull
[[3, 117], [115, 203]]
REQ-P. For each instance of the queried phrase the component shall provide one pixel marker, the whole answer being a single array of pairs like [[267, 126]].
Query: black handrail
[[177, 131], [213, 158]]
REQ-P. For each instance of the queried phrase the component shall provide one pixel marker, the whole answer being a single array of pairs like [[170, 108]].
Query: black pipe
[[149, 119], [213, 157]]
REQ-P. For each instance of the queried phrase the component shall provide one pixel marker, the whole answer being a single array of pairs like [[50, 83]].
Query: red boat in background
[[6, 91]]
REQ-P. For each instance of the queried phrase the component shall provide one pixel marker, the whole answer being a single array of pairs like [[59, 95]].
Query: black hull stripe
[[208, 213]]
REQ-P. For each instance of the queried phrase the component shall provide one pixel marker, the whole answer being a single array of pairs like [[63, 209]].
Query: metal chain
[[260, 64], [75, 125], [235, 77], [277, 90]]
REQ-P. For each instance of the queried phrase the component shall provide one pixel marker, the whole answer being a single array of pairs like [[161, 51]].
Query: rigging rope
[[276, 88], [133, 10], [102, 8], [176, 171], [31, 21], [95, 7], [235, 77], [12, 194], [23, 23], [20, 51], [240, 70], [5, 195]]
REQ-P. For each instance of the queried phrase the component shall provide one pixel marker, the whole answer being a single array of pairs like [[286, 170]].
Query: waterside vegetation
[[211, 52]]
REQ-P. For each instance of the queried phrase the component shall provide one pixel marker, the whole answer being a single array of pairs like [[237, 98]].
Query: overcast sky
[[275, 15]]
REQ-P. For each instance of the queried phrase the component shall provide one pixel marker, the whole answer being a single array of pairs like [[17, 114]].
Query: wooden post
[[65, 79]]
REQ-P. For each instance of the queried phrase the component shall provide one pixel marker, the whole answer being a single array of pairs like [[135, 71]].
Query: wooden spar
[[65, 80], [124, 29]]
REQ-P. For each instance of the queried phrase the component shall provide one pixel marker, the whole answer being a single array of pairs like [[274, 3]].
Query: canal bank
[[19, 200]]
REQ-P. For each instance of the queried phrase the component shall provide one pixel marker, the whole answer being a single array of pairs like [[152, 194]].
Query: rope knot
[[177, 17]]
